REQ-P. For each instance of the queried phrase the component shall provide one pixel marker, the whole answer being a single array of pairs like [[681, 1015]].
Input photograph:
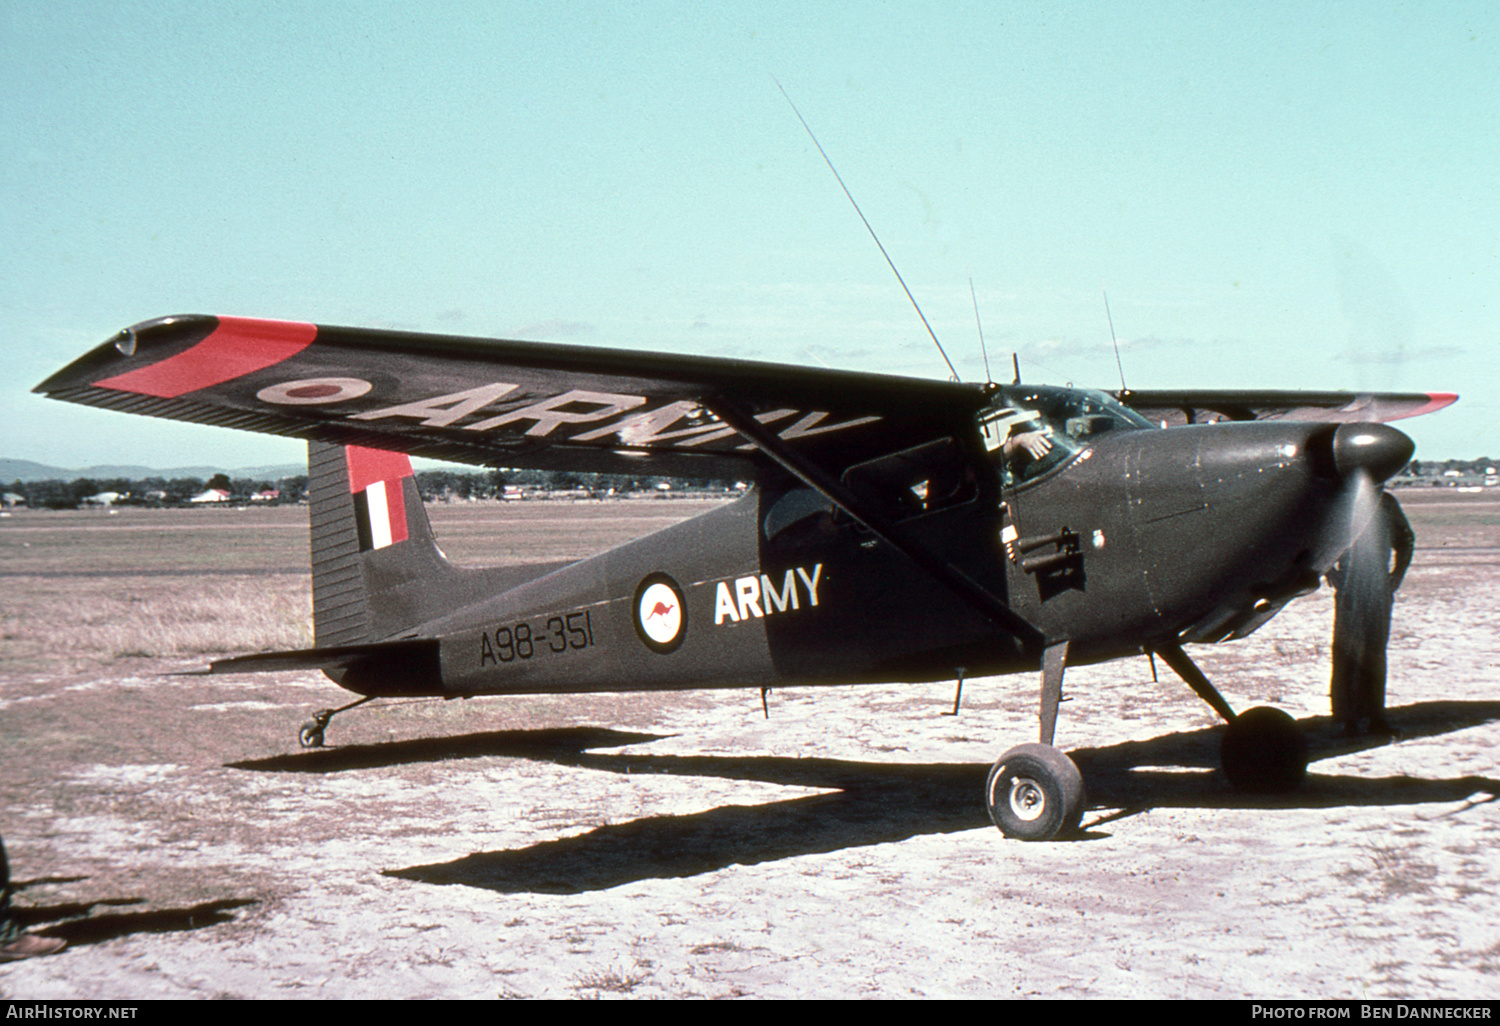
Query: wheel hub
[[1027, 799]]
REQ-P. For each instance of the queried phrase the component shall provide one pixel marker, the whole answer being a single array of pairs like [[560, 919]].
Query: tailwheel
[[1263, 752], [311, 734], [1035, 793]]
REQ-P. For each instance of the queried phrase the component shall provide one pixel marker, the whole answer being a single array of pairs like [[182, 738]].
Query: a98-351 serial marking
[[562, 633]]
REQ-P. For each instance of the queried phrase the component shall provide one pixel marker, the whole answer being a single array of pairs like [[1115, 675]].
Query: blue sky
[[1290, 195]]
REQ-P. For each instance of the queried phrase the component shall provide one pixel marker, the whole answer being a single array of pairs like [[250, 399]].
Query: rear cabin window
[[915, 481], [905, 484]]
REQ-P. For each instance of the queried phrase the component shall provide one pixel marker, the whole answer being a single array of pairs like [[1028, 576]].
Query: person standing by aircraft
[[1357, 686]]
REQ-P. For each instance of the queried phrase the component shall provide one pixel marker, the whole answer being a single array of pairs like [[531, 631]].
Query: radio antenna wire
[[982, 350], [839, 178], [1115, 342]]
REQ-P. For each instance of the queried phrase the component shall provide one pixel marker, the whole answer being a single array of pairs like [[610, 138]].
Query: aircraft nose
[[1377, 449]]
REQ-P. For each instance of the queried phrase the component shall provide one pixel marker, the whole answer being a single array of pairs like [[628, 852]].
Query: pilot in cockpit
[[1038, 428], [1023, 438], [1025, 446]]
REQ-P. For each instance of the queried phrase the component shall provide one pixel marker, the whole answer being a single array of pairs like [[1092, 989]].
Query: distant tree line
[[1479, 468], [153, 491], [439, 485], [461, 485], [1428, 468], [435, 485]]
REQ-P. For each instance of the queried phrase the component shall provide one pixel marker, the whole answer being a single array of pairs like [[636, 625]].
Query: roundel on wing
[[314, 390], [660, 613]]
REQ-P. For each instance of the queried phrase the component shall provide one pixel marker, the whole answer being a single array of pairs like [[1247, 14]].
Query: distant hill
[[28, 470]]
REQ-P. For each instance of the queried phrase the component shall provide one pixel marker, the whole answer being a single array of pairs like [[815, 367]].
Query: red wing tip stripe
[[1435, 401], [238, 346]]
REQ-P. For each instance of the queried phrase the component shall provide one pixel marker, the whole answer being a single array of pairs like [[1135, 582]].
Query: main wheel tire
[[1035, 793], [1263, 752]]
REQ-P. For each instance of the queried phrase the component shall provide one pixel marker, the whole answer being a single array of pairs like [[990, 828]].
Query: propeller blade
[[1362, 606], [1362, 456]]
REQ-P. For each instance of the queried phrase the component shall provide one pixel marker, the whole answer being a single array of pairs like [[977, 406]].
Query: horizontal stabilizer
[[386, 668], [340, 657]]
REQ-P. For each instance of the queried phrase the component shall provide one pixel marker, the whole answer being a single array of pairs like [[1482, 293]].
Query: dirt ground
[[684, 846]]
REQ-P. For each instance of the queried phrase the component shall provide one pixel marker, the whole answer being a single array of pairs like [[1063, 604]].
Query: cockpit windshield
[[1029, 429]]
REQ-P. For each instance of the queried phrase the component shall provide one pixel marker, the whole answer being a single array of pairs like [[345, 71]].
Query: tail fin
[[376, 568]]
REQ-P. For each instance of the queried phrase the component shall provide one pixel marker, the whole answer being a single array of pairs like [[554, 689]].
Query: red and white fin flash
[[375, 478]]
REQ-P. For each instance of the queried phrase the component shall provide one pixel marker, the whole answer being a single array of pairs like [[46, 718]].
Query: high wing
[[1170, 408], [492, 402]]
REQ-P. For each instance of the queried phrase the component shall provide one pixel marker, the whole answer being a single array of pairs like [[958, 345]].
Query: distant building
[[103, 499], [9, 499], [211, 495]]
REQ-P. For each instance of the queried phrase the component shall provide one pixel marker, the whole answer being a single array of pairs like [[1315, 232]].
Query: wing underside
[[542, 406], [504, 403], [1170, 408]]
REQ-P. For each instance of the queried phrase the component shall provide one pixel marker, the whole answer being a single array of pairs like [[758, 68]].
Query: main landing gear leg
[[311, 734], [1262, 751], [1034, 791]]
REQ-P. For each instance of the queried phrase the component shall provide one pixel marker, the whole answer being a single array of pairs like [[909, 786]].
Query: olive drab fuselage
[[1128, 536]]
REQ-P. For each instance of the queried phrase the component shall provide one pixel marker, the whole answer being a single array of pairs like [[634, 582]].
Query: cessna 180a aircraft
[[899, 529]]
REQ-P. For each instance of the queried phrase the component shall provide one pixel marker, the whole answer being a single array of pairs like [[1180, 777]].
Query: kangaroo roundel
[[660, 613]]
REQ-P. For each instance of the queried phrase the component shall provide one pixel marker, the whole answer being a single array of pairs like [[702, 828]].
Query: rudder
[[374, 558]]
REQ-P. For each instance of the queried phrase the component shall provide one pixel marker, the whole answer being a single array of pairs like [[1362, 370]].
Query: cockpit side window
[[1030, 430], [1025, 443]]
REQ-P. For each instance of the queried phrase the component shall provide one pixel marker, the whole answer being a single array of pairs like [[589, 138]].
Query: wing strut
[[815, 477]]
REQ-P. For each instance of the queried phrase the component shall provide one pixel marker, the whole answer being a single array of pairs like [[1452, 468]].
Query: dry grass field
[[681, 845], [93, 588]]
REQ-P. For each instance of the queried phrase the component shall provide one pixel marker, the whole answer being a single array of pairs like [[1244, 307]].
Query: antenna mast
[[861, 213], [982, 350], [1115, 342]]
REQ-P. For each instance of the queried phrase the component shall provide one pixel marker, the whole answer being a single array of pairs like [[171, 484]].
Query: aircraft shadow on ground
[[556, 744], [76, 923], [883, 802]]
